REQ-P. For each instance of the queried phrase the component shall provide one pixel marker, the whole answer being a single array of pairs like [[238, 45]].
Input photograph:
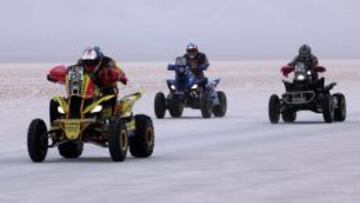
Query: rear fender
[[214, 83], [330, 86], [211, 90], [125, 105], [211, 86]]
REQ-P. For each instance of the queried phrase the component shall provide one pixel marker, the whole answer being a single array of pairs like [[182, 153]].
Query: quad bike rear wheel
[[70, 150], [118, 141], [340, 110], [274, 109], [328, 108], [37, 140], [142, 144], [220, 110], [206, 105], [289, 117], [160, 105]]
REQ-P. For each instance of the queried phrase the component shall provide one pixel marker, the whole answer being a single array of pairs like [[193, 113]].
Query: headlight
[[60, 110], [309, 72], [172, 87], [300, 77], [194, 86], [97, 109]]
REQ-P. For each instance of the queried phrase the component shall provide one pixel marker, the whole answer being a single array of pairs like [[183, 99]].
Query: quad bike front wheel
[[340, 110], [53, 109], [160, 105], [175, 110], [288, 117], [70, 150], [118, 141], [274, 109], [142, 144], [37, 140], [220, 110], [328, 108], [206, 105]]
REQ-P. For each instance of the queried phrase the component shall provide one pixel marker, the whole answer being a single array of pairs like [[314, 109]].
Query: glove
[[286, 70], [320, 69], [57, 74], [123, 80]]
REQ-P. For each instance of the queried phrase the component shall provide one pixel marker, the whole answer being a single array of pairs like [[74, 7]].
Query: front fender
[[98, 102], [62, 103], [169, 83]]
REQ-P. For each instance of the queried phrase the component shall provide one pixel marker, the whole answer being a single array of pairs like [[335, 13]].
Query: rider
[[102, 69], [306, 57], [197, 61]]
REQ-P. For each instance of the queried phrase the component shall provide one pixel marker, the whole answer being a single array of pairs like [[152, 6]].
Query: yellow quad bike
[[85, 116]]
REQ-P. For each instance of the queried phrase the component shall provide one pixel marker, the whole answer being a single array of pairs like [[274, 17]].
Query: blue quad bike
[[187, 91], [307, 92]]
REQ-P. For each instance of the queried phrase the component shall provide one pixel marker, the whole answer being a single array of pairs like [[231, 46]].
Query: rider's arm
[[317, 68], [204, 63], [122, 76], [293, 62], [115, 73], [314, 61], [110, 74]]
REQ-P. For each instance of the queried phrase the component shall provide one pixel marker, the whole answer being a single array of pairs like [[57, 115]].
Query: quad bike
[[86, 116], [187, 91], [307, 93]]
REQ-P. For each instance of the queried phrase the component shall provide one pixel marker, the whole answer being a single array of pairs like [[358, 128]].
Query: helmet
[[192, 50], [92, 58], [305, 51]]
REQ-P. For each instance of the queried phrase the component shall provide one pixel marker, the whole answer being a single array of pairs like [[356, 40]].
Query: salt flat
[[241, 158]]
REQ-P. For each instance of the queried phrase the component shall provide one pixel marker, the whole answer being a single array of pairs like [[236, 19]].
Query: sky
[[159, 30]]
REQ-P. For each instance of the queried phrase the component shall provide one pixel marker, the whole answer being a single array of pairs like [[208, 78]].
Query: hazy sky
[[37, 30]]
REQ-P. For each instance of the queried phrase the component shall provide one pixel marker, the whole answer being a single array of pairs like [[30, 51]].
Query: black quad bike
[[307, 92], [187, 91]]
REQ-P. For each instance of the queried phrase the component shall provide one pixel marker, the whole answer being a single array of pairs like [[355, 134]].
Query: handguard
[[286, 70], [57, 74], [320, 69]]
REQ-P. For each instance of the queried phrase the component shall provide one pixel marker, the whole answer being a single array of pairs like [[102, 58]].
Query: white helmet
[[92, 57], [192, 50]]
